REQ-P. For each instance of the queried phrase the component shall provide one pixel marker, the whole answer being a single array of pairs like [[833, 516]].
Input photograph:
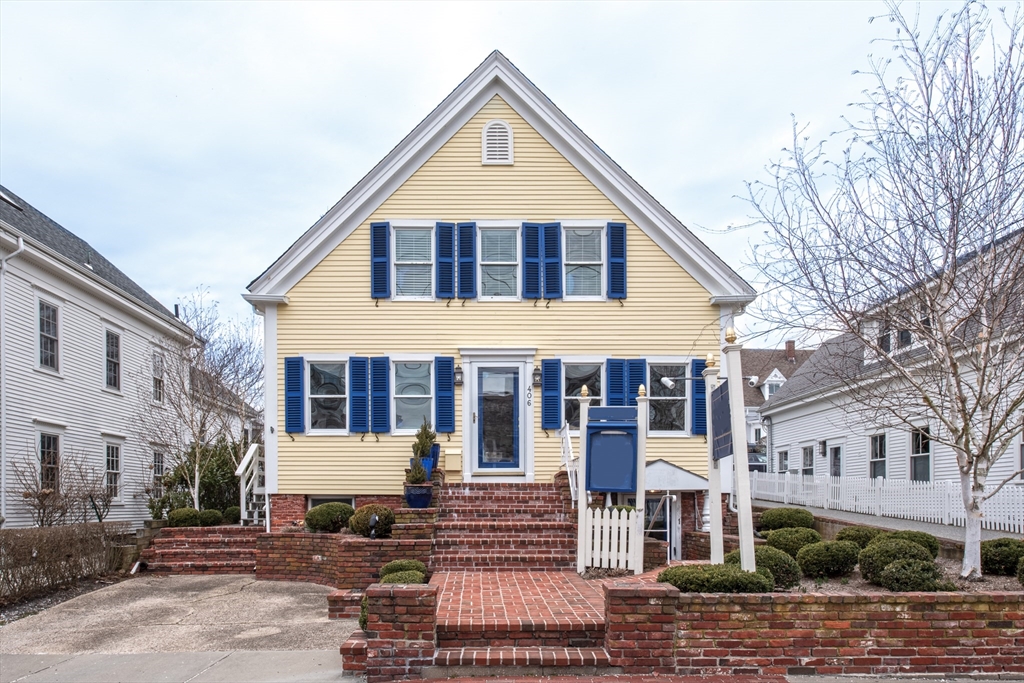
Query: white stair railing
[[252, 491], [571, 463]]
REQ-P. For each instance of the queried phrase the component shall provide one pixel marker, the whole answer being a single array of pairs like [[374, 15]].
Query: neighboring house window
[[499, 263], [113, 471], [327, 396], [158, 378], [773, 387], [496, 143], [757, 435], [576, 375], [48, 336], [414, 263], [835, 461], [584, 263], [877, 463], [113, 360], [808, 464], [921, 454], [668, 397], [885, 342], [783, 461], [413, 400], [903, 339], [158, 474], [49, 461]]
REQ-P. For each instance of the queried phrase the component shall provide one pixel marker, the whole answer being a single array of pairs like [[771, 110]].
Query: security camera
[[752, 381]]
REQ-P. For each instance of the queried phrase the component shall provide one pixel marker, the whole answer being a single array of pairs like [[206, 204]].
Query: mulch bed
[[37, 603]]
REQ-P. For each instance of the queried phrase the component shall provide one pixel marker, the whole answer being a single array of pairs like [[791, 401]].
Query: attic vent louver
[[496, 144]]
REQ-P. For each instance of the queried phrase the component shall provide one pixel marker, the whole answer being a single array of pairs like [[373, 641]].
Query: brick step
[[516, 513], [344, 604], [490, 562], [476, 543], [353, 654], [521, 633], [188, 554], [203, 567], [204, 542], [505, 526], [231, 530], [523, 656]]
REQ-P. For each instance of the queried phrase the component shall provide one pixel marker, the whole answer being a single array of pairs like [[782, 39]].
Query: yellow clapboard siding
[[330, 310]]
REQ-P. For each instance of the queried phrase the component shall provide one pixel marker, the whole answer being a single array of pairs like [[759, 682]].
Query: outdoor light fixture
[[536, 376], [458, 375], [373, 526]]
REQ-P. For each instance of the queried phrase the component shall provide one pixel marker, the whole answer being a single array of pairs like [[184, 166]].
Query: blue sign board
[[721, 422], [611, 450]]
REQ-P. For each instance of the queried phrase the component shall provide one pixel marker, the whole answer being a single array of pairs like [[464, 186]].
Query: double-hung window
[[328, 404], [920, 454], [576, 376], [835, 461], [113, 361], [783, 461], [48, 339], [668, 394], [584, 262], [158, 378], [414, 262], [808, 464], [499, 263], [877, 453], [158, 474], [49, 462], [114, 471], [413, 395]]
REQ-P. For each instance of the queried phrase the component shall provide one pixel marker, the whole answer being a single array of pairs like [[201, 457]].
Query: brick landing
[[623, 678]]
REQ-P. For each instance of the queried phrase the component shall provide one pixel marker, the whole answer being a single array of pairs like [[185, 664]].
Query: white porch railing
[[608, 538], [252, 484], [938, 502]]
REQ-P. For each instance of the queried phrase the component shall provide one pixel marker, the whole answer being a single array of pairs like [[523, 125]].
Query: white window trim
[[778, 457], [602, 227], [481, 226], [911, 455], [118, 441], [813, 445], [393, 394], [59, 305], [308, 398], [110, 329], [511, 143], [841, 445], [163, 378], [885, 459], [584, 360], [405, 224], [687, 362]]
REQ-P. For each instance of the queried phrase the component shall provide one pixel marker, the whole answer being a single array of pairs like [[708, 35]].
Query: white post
[[641, 472], [581, 482], [714, 501], [739, 450]]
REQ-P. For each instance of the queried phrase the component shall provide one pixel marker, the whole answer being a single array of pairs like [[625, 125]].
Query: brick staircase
[[203, 550]]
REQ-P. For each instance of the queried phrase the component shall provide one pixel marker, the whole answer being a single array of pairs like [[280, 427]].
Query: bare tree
[[909, 243], [61, 488]]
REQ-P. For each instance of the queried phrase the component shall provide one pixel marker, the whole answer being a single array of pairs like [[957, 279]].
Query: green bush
[[878, 555], [623, 508], [396, 566], [404, 577], [786, 518], [364, 612], [210, 517], [1001, 555], [717, 578], [1020, 571], [784, 568], [861, 535], [913, 575], [329, 517], [183, 517], [790, 540], [926, 541], [218, 485], [828, 558], [233, 514], [360, 521]]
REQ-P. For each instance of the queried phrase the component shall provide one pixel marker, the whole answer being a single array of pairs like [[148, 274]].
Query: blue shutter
[[467, 260], [380, 398], [636, 374], [531, 261], [444, 393], [380, 266], [616, 382], [551, 251], [294, 398], [446, 260], [358, 394], [616, 260], [551, 393], [699, 416]]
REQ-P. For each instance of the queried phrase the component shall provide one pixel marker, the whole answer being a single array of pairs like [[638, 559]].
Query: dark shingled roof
[[761, 362], [838, 357], [34, 225]]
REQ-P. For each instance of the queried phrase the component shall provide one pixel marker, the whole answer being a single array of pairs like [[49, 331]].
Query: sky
[[192, 142]]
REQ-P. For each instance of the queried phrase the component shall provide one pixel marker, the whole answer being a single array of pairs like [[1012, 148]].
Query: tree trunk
[[195, 485], [971, 568]]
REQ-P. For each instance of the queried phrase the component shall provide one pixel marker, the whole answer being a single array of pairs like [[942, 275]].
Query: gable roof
[[841, 356], [496, 75], [31, 224], [761, 362]]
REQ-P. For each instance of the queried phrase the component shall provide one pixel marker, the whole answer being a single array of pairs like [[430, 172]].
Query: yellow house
[[484, 271]]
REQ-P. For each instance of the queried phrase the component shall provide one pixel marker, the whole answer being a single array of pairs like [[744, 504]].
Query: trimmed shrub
[[360, 521], [717, 578], [1001, 555], [404, 577], [913, 575], [623, 508], [396, 566], [210, 517], [880, 554], [926, 541], [364, 612], [183, 517], [828, 558], [232, 515], [1020, 571], [784, 568], [861, 535], [790, 540], [786, 518], [329, 517]]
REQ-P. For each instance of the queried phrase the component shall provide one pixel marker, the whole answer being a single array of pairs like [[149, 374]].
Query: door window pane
[[499, 416]]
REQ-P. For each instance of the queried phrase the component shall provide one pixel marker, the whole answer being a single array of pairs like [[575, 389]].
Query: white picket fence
[[938, 502], [608, 537]]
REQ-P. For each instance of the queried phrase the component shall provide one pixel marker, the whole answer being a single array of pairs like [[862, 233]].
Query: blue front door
[[498, 418]]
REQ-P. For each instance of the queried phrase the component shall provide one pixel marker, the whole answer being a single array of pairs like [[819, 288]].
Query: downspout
[[3, 377]]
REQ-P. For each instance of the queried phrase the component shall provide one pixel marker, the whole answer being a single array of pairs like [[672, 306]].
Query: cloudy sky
[[192, 142]]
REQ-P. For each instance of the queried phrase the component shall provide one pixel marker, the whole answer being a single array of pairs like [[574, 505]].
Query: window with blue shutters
[[670, 394], [699, 417], [551, 394], [616, 260], [294, 419], [531, 261], [380, 266], [551, 259], [359, 395], [444, 391], [380, 394], [327, 396], [616, 382], [446, 260], [467, 260], [636, 374]]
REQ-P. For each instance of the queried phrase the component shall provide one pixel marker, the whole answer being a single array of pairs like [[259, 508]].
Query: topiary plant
[[328, 517], [210, 517], [360, 521], [404, 577], [784, 568], [183, 517], [913, 575], [828, 558], [233, 514], [786, 518], [790, 540], [877, 556], [718, 578], [1001, 555], [396, 566], [926, 541], [861, 535]]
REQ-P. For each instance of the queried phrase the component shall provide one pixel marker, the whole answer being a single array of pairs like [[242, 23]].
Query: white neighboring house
[[81, 356], [764, 373]]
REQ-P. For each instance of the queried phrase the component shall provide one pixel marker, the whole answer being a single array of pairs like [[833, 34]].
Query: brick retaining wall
[[401, 630], [287, 510]]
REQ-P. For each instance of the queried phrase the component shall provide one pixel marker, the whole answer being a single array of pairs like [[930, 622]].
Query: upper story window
[[327, 396], [48, 339], [413, 396], [499, 263], [584, 263], [158, 378], [496, 143], [773, 387], [113, 361], [576, 376], [668, 396], [414, 263]]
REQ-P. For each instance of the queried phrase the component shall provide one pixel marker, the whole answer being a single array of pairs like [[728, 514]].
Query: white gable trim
[[497, 76]]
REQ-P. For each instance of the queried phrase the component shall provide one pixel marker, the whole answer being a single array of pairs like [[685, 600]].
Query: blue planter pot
[[418, 496]]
